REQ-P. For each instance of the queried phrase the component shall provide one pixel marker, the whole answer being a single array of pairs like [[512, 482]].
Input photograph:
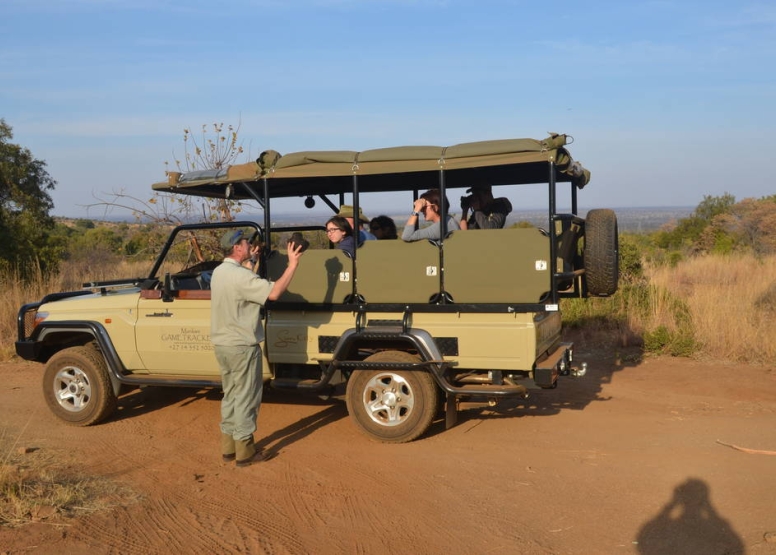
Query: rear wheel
[[392, 406], [602, 270], [77, 388]]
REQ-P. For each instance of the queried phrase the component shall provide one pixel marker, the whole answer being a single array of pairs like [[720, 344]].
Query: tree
[[695, 233], [208, 151], [710, 206], [216, 151], [753, 221], [24, 207]]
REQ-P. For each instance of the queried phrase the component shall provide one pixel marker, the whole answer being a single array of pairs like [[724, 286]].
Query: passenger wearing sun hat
[[346, 211], [236, 297]]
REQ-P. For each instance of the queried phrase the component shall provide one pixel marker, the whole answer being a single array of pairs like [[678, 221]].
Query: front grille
[[29, 322]]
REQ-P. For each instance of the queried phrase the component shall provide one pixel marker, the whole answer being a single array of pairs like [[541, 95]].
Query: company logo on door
[[187, 339]]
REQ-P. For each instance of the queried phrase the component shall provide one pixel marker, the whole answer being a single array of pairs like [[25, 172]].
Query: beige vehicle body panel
[[116, 311], [485, 341]]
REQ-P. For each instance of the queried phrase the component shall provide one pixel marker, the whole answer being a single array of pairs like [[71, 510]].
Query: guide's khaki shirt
[[237, 295]]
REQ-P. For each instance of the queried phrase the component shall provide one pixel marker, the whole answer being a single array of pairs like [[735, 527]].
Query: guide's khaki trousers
[[241, 381]]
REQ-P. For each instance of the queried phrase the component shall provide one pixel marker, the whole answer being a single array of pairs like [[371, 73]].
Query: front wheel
[[77, 387], [392, 406]]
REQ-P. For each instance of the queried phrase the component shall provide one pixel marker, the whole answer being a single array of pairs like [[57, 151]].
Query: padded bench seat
[[323, 276], [497, 265]]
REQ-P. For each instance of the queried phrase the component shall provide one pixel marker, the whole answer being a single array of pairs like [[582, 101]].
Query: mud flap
[[451, 411]]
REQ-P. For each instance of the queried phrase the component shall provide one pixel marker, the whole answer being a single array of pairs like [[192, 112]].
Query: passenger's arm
[[464, 223], [430, 232], [408, 233]]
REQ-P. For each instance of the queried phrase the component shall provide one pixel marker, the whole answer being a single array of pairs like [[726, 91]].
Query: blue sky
[[667, 101]]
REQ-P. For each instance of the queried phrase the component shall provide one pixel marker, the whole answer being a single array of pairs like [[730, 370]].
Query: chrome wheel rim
[[388, 399], [72, 389]]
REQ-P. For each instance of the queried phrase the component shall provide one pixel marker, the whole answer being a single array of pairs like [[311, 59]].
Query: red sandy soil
[[626, 460]]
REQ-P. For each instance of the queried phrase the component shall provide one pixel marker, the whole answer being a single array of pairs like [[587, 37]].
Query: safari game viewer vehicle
[[400, 327]]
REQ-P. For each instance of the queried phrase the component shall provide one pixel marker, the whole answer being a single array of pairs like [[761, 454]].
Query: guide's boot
[[246, 452], [227, 447]]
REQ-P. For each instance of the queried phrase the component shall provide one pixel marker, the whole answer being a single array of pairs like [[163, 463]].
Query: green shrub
[[677, 343]]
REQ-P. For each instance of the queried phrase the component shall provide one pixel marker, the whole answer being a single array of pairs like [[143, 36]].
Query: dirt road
[[625, 460]]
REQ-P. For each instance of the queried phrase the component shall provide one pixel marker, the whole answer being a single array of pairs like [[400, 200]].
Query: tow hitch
[[579, 371]]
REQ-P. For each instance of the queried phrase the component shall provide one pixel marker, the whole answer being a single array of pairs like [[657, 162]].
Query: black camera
[[296, 240], [256, 239], [466, 202]]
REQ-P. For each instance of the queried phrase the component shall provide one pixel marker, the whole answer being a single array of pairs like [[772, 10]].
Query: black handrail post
[[442, 230], [573, 198], [267, 219], [356, 234], [553, 235]]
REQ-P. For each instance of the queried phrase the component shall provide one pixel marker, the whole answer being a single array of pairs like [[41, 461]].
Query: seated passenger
[[383, 227], [429, 205], [487, 212], [346, 211], [340, 233]]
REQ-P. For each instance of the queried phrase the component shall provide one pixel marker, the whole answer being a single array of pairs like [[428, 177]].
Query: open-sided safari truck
[[399, 327]]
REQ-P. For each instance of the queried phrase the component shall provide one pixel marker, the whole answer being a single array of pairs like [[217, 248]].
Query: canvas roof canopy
[[497, 162]]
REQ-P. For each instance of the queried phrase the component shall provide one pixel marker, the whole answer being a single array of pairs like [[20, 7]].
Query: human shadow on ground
[[279, 439], [688, 523]]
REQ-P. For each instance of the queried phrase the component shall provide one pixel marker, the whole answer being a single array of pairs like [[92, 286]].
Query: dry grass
[[713, 308], [37, 486], [731, 302], [15, 292]]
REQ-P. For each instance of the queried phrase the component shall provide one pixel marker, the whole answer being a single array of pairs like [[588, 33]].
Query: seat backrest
[[497, 265], [323, 276], [392, 271]]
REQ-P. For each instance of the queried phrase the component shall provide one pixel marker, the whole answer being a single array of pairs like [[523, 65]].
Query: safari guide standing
[[237, 295]]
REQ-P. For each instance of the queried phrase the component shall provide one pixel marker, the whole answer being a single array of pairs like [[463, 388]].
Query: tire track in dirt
[[493, 484], [100, 532], [129, 449], [335, 505], [185, 513]]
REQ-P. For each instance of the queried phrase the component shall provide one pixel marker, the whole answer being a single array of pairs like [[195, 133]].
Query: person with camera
[[237, 296], [486, 212], [254, 256], [429, 204]]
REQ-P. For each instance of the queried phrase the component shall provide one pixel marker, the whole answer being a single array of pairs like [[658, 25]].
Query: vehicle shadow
[[143, 400], [570, 394], [688, 523]]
